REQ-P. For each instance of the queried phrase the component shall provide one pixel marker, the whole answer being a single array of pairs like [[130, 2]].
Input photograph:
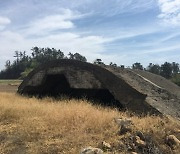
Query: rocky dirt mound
[[134, 142], [160, 81], [161, 93]]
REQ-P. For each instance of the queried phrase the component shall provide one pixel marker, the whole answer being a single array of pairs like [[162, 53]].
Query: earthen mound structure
[[138, 91]]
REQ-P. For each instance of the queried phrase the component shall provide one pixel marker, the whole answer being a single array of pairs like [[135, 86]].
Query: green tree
[[137, 66], [175, 68], [166, 70], [154, 68], [113, 64], [98, 61], [23, 64], [176, 79], [8, 64], [77, 56]]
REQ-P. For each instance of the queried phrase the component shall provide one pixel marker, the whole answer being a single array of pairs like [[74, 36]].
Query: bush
[[176, 79]]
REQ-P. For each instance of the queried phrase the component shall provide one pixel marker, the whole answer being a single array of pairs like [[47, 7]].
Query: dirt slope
[[8, 88], [160, 81], [161, 93]]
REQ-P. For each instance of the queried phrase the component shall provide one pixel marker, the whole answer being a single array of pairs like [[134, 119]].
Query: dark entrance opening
[[57, 85], [54, 85], [97, 96]]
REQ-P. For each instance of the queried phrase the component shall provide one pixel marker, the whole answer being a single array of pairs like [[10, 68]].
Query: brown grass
[[29, 125]]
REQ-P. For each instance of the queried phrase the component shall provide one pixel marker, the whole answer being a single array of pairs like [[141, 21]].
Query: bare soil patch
[[9, 85]]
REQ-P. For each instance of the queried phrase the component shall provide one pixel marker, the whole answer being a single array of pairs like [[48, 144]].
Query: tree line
[[24, 63]]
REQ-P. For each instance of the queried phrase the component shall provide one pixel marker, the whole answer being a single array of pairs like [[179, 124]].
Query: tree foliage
[[154, 68], [137, 66], [99, 61], [176, 79], [166, 70], [175, 68], [23, 63], [113, 64], [77, 56]]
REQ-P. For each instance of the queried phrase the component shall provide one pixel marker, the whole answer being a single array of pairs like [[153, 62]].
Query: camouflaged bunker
[[138, 91]]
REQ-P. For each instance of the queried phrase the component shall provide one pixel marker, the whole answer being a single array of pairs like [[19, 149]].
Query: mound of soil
[[160, 81], [161, 93], [135, 90]]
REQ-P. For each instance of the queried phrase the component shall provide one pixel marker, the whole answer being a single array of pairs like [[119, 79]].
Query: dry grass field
[[29, 125]]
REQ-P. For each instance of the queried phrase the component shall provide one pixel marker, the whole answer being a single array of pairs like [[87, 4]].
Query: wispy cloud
[[170, 11], [110, 8], [53, 30], [50, 23], [162, 49]]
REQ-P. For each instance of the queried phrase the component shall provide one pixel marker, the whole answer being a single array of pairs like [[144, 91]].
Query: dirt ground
[[160, 81], [9, 85], [162, 94], [8, 88]]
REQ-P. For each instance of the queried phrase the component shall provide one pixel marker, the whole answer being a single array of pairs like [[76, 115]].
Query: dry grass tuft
[[29, 125]]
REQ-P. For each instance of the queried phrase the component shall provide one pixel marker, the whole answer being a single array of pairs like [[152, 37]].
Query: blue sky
[[120, 31]]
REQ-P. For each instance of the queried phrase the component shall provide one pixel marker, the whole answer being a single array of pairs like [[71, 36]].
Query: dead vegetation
[[29, 125]]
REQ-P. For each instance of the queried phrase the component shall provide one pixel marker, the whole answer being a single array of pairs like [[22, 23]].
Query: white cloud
[[71, 42], [90, 46], [10, 41], [170, 11], [3, 22], [25, 38], [47, 24]]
